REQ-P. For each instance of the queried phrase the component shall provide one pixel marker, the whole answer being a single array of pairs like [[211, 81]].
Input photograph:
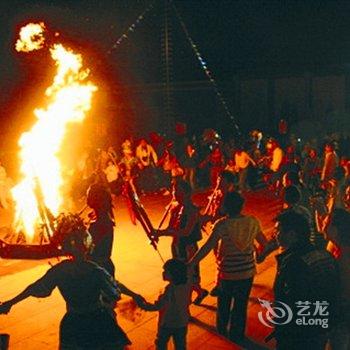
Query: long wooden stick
[[143, 218]]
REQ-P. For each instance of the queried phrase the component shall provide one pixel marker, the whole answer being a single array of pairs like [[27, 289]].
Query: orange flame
[[69, 98], [31, 37]]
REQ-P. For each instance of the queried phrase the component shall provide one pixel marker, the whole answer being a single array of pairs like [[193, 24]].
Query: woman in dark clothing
[[102, 226], [89, 323]]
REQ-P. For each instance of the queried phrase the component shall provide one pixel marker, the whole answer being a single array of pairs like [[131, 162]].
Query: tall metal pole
[[168, 121]]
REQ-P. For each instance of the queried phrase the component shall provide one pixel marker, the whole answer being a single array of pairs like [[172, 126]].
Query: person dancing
[[172, 305], [102, 226], [89, 322], [185, 229], [236, 264]]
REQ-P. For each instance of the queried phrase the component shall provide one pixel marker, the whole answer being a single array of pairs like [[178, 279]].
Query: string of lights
[[194, 47], [206, 70], [132, 27]]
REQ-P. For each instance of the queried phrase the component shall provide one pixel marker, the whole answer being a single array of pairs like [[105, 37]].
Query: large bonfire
[[68, 101]]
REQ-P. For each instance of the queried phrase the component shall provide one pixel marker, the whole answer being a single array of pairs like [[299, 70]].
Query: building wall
[[290, 98], [254, 102], [328, 95], [263, 102]]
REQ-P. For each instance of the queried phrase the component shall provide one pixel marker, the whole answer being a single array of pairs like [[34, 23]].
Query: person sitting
[[173, 305], [89, 323]]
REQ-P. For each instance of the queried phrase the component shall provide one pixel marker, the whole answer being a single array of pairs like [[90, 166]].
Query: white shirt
[[242, 160], [111, 173], [277, 156]]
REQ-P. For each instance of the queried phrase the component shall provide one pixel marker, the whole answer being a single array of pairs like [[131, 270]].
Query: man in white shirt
[[277, 155]]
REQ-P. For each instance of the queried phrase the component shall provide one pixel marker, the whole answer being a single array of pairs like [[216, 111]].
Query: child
[[173, 305]]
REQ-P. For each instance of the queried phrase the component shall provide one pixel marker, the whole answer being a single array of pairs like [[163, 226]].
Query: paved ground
[[33, 324]]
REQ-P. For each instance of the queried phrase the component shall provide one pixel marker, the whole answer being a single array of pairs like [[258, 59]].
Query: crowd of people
[[253, 160], [312, 235]]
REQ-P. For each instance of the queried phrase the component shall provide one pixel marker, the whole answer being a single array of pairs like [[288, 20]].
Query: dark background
[[270, 59]]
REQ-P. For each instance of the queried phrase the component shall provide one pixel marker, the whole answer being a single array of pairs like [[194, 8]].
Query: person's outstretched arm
[[205, 249], [157, 305], [261, 239], [125, 290], [42, 288]]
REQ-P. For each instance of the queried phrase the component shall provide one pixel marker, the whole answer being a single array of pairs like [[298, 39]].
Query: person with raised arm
[[236, 234], [89, 291]]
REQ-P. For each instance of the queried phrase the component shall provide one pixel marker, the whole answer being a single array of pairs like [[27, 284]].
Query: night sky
[[234, 37]]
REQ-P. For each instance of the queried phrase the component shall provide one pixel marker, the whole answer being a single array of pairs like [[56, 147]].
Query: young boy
[[173, 305]]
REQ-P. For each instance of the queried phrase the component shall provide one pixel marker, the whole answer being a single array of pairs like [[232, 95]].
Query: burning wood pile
[[39, 195], [54, 232]]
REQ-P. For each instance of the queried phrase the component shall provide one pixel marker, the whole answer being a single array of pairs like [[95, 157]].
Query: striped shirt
[[235, 258]]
